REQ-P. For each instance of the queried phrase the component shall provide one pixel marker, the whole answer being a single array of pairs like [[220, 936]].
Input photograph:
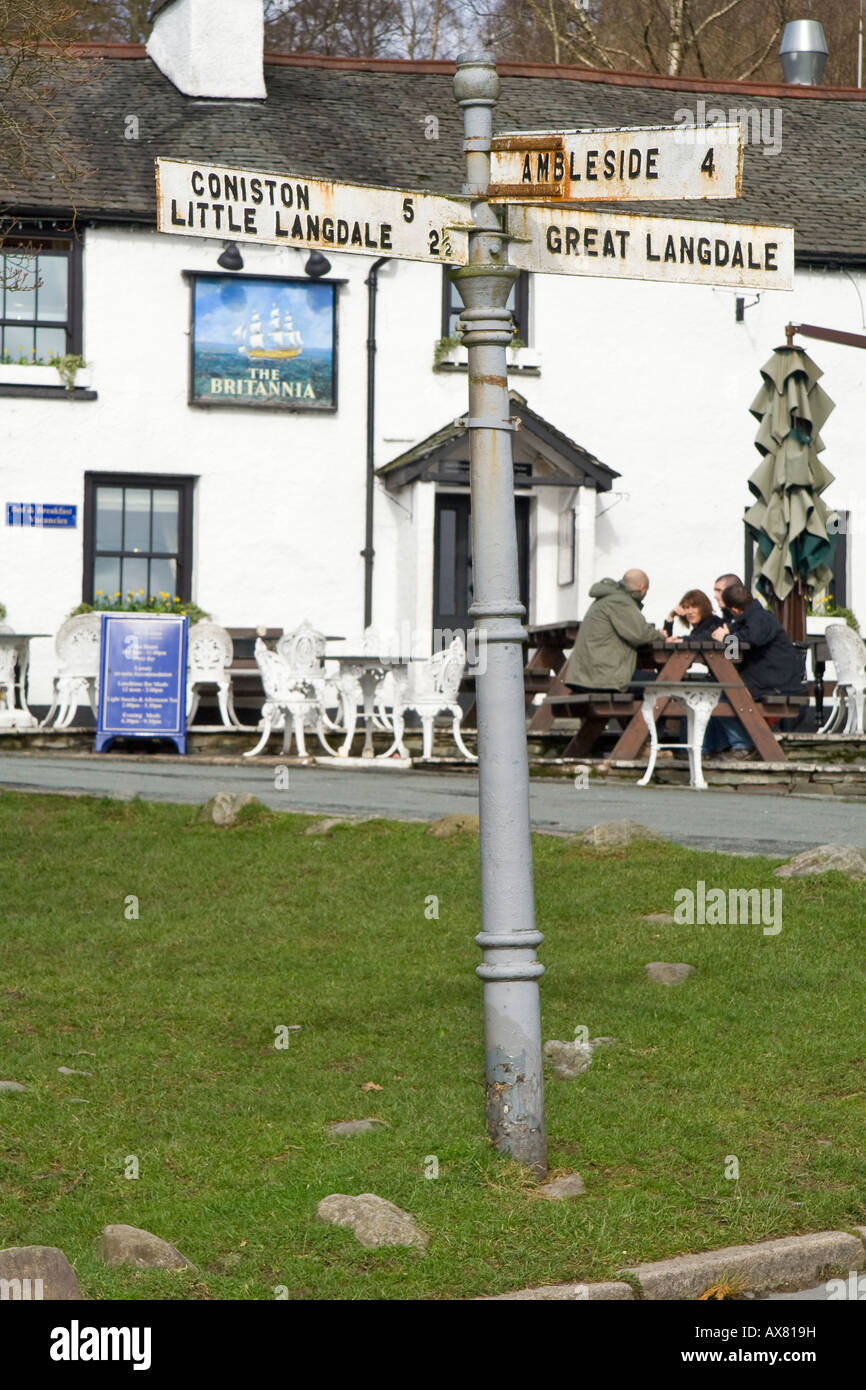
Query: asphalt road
[[736, 822]]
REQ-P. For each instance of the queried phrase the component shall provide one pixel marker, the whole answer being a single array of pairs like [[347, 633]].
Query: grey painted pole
[[510, 971]]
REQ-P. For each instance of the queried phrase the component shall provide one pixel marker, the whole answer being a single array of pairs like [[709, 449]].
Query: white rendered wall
[[655, 381]]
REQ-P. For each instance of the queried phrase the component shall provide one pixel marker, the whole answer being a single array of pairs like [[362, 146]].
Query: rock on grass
[[127, 1245], [821, 860], [374, 1220], [347, 1129], [615, 834], [558, 1189], [665, 973], [43, 1262], [458, 824], [568, 1059], [225, 808]]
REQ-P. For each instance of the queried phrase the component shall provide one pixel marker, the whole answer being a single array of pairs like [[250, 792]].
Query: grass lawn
[[760, 1055]]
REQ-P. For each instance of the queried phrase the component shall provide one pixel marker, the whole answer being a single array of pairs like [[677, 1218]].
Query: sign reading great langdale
[[572, 241], [291, 210]]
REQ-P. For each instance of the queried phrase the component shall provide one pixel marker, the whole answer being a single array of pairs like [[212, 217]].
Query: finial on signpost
[[510, 971]]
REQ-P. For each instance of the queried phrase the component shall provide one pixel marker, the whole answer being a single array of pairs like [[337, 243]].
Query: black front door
[[452, 565]]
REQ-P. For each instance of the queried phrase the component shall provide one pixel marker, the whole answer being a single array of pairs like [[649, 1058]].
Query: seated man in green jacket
[[605, 653]]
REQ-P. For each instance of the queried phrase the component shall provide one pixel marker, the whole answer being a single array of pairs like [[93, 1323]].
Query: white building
[[637, 441]]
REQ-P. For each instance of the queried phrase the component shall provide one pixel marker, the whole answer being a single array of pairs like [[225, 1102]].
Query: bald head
[[636, 581]]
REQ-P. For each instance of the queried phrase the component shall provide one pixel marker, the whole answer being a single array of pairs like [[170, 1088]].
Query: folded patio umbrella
[[789, 520]]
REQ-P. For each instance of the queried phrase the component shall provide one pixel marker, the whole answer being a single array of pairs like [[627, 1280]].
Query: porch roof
[[552, 459]]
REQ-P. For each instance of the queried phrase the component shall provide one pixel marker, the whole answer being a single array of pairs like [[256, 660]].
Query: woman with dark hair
[[695, 609]]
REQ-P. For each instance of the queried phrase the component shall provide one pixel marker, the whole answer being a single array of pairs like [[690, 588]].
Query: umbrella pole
[[791, 612]]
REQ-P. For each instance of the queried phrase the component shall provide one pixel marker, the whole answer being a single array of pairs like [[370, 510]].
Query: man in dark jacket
[[772, 665], [605, 653], [724, 582]]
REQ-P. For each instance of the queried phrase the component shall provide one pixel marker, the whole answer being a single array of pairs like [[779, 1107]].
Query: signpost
[[571, 241], [142, 678], [658, 162], [520, 169], [292, 210]]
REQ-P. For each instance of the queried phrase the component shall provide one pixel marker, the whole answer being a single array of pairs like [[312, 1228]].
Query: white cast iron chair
[[372, 643], [8, 659], [430, 687], [77, 680], [209, 655], [848, 654], [294, 683]]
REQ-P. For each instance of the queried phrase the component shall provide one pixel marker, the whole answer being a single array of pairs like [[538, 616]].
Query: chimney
[[803, 52], [210, 48]]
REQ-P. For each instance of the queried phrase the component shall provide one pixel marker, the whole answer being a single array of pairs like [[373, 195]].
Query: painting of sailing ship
[[265, 343], [278, 341]]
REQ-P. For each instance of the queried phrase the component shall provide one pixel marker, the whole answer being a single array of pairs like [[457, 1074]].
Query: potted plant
[[823, 611], [449, 352], [23, 369], [136, 601]]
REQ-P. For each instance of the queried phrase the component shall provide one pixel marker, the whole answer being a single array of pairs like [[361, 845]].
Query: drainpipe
[[372, 283]]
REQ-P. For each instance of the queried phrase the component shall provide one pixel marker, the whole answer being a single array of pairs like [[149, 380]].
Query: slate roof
[[364, 122], [537, 439]]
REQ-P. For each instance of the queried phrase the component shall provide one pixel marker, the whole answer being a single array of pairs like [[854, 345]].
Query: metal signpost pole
[[510, 971]]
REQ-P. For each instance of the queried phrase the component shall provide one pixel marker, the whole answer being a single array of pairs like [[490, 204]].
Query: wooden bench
[[596, 708]]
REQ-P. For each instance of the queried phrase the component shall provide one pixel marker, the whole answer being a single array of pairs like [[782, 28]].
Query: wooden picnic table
[[674, 662], [550, 644]]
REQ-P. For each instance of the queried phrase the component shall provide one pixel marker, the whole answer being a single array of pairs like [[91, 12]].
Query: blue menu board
[[142, 678]]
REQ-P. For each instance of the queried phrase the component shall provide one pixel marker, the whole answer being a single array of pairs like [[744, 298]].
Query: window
[[40, 298], [518, 303], [137, 535]]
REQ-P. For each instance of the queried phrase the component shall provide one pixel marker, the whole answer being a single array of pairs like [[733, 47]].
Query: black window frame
[[31, 234], [520, 314], [181, 483]]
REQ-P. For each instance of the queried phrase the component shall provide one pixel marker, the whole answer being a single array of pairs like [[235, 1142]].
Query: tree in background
[[724, 39], [39, 69], [367, 28]]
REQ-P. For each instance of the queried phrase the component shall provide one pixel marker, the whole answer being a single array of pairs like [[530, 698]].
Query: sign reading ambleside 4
[[292, 210], [142, 680], [659, 162], [570, 241]]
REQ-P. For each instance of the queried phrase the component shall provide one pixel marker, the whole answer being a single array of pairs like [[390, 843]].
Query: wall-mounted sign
[[45, 514], [263, 343], [142, 678]]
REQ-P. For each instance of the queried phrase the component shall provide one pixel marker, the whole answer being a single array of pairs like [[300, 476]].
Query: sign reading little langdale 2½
[[290, 210]]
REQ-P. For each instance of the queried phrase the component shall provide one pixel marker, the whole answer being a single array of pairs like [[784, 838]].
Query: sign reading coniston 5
[[292, 210], [658, 162]]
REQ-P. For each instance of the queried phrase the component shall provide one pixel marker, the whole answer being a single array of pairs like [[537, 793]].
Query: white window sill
[[13, 374], [518, 360]]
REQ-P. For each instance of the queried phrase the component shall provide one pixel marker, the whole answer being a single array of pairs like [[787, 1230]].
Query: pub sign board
[[142, 678], [263, 343]]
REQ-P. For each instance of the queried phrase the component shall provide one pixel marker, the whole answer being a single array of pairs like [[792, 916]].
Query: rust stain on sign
[[575, 241], [290, 210], [670, 163]]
